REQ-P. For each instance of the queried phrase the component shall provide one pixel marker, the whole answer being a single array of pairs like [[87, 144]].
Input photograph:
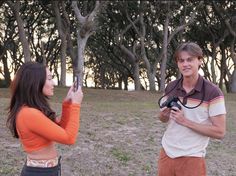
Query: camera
[[171, 102]]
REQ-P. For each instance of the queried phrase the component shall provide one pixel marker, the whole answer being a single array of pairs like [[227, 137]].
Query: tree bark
[[150, 73], [62, 30], [5, 70], [86, 28], [23, 39], [142, 33], [135, 65], [233, 55], [164, 59], [167, 39], [231, 29]]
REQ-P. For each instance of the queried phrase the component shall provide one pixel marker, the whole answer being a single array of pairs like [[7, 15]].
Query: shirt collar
[[198, 86]]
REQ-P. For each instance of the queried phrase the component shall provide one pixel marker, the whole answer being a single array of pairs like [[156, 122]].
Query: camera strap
[[203, 95]]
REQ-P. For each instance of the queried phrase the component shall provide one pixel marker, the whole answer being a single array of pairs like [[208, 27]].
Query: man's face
[[187, 64]]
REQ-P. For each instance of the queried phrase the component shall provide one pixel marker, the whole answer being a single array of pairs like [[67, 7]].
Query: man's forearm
[[214, 130], [207, 130]]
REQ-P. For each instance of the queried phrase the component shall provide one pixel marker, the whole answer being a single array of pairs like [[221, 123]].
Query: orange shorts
[[181, 166]]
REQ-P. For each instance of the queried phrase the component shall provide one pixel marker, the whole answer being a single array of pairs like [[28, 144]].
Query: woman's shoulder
[[26, 110]]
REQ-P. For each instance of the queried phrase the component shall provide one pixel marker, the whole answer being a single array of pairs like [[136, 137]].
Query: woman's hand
[[74, 96]]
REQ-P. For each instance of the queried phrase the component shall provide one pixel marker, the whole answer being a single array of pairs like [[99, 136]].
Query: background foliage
[[115, 43]]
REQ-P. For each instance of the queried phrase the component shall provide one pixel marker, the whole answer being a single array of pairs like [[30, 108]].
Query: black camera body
[[171, 102]]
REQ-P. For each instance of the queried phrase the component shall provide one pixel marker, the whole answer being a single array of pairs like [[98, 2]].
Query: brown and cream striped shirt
[[179, 140]]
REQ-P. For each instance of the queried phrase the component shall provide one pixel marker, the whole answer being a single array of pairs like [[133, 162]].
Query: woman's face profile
[[48, 88]]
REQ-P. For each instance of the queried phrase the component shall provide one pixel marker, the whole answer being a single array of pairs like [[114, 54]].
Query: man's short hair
[[191, 48]]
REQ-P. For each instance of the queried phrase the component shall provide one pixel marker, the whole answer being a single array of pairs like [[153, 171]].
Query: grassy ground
[[119, 136]]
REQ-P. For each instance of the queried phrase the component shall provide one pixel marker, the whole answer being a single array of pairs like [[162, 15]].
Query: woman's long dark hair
[[27, 89]]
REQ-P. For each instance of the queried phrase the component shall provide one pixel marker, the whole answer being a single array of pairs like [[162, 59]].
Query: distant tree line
[[114, 43]]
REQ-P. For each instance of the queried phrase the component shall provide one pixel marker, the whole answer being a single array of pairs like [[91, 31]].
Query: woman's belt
[[42, 163]]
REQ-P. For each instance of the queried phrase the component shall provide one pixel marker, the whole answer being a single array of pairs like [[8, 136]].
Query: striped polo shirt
[[208, 101]]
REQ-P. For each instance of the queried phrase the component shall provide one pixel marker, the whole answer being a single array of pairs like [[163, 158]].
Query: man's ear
[[201, 62]]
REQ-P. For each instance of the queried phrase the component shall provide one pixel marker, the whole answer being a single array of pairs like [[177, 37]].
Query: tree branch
[[78, 14]]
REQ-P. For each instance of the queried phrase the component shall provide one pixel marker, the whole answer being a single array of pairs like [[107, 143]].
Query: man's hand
[[164, 114], [178, 116]]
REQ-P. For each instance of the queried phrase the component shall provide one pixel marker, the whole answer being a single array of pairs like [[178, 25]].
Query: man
[[201, 115]]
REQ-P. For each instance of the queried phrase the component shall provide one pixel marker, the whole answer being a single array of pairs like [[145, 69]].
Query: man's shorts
[[181, 166]]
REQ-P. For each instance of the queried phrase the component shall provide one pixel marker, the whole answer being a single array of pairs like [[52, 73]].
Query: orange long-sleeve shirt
[[37, 131]]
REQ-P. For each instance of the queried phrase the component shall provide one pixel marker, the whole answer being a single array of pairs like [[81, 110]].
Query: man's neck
[[190, 82]]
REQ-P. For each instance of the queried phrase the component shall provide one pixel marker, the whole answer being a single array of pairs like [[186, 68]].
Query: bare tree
[[131, 54], [87, 26], [233, 55], [62, 27], [230, 23], [142, 35], [25, 45], [168, 36]]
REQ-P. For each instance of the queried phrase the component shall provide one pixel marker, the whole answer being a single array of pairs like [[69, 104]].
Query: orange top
[[37, 131]]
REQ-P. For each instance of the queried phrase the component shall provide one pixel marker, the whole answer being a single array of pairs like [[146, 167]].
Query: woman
[[32, 120]]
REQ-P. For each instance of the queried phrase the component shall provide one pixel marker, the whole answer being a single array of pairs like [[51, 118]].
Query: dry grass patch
[[119, 135]]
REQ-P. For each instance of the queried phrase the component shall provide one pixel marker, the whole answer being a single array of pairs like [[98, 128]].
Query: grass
[[119, 135], [121, 155]]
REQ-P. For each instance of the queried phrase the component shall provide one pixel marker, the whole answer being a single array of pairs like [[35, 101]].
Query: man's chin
[[187, 75]]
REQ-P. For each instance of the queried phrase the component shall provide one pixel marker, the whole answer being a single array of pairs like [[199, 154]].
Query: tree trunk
[[167, 39], [25, 45], [6, 71], [222, 67], [63, 34], [150, 74], [135, 65], [233, 55], [63, 61], [233, 84], [213, 72], [164, 59], [86, 28], [137, 84], [81, 42]]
